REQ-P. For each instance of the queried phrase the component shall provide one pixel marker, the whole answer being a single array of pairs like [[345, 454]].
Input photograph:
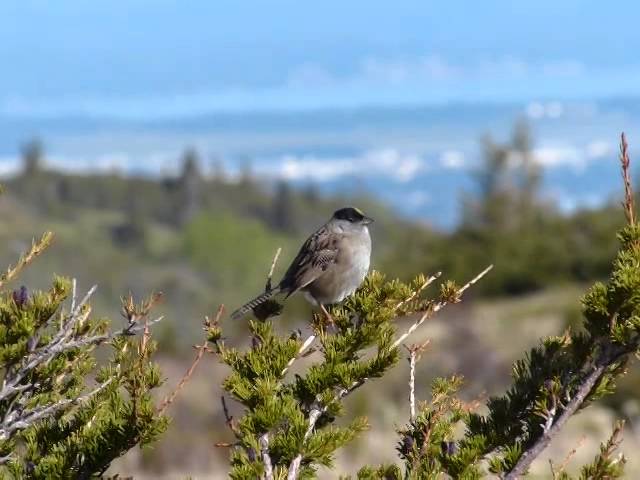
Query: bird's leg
[[327, 314]]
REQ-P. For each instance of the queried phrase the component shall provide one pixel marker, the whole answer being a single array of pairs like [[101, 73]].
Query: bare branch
[[415, 352], [266, 459], [437, 307], [20, 420], [628, 203], [201, 349], [267, 287], [314, 414], [305, 345], [412, 385]]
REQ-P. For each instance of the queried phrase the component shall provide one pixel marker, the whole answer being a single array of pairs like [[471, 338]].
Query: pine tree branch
[[419, 290], [36, 249], [19, 420], [63, 341], [437, 307], [607, 359], [315, 413]]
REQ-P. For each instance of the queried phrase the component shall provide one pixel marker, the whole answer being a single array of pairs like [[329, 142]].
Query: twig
[[228, 417], [36, 249], [201, 349], [267, 287], [419, 290], [305, 345], [567, 459], [415, 352], [412, 385], [437, 307], [628, 203], [266, 458], [315, 413]]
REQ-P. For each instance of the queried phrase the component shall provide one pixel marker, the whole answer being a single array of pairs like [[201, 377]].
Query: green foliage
[[297, 416], [63, 414], [556, 379]]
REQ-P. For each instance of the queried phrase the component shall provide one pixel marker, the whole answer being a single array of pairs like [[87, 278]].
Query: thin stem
[[437, 307]]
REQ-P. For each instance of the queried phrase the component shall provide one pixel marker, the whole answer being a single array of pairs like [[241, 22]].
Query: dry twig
[[628, 203], [201, 349], [437, 307]]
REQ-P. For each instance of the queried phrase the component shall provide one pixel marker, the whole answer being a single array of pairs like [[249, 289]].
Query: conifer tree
[[63, 414], [287, 427]]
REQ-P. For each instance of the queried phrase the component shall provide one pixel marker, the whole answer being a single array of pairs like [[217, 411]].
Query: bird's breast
[[348, 272]]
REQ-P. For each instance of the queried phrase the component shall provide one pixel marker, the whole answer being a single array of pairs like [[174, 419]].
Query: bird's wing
[[315, 256]]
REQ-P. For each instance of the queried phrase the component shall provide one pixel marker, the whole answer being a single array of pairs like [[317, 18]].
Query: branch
[[316, 412], [36, 249], [201, 349], [26, 418], [267, 287], [438, 306], [318, 409], [64, 341], [266, 459], [419, 290], [412, 385], [305, 345], [628, 203], [576, 402], [415, 352]]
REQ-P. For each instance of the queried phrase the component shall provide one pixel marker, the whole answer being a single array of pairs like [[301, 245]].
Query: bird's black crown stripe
[[350, 214]]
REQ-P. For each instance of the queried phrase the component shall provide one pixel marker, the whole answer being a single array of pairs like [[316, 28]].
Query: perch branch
[[268, 285]]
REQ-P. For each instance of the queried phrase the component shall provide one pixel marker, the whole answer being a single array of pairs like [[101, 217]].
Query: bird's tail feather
[[259, 300]]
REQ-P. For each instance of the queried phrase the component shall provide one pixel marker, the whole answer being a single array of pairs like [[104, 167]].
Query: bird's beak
[[367, 220]]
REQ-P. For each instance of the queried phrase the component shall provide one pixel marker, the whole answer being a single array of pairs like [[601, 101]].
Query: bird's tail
[[259, 300]]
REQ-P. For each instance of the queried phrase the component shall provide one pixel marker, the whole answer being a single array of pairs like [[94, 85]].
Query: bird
[[330, 266]]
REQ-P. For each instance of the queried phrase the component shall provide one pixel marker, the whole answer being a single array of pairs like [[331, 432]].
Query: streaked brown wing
[[318, 252]]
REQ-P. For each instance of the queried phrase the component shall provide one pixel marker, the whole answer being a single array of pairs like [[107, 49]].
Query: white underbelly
[[339, 283]]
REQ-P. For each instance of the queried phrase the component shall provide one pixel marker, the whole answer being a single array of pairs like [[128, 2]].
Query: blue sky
[[166, 58]]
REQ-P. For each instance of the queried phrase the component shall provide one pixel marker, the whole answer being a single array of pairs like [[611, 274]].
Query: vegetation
[[288, 426], [200, 237], [63, 416]]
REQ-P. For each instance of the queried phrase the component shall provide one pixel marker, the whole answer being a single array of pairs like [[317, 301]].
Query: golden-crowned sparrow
[[331, 264]]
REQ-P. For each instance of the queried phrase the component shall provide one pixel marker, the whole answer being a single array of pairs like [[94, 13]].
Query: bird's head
[[352, 216]]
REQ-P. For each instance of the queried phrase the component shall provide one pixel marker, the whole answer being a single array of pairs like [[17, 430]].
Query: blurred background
[[173, 146]]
